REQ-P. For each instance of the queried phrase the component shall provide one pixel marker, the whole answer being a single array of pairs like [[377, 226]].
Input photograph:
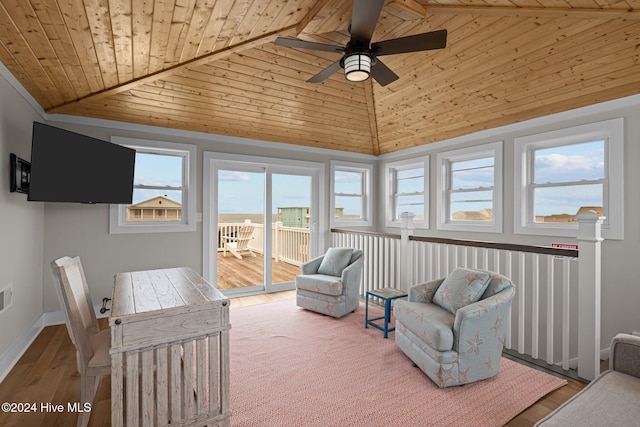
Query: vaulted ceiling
[[212, 65]]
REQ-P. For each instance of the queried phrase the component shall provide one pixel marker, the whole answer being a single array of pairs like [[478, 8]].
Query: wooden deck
[[248, 271]]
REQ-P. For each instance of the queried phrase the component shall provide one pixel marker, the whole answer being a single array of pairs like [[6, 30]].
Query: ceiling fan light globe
[[357, 67]]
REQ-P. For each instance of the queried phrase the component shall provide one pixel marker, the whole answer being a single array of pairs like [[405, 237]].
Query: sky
[[569, 164], [156, 170], [243, 192]]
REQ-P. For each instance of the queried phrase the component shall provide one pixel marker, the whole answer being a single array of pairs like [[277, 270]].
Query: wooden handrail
[[570, 253]]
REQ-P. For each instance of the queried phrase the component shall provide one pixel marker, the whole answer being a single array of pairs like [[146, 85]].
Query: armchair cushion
[[462, 287], [320, 283], [334, 261], [497, 283], [434, 325]]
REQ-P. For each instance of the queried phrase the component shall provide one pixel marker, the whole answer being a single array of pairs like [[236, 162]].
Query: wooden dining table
[[169, 350]]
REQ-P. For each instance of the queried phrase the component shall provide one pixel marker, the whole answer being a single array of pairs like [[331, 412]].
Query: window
[[351, 194], [561, 174], [163, 189], [407, 184], [470, 183]]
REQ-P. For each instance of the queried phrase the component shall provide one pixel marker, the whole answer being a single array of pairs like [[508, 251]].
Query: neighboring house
[[569, 217], [294, 216], [156, 209], [481, 215]]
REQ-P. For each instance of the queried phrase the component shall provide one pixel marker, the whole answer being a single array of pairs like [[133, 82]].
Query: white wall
[[21, 223], [620, 287]]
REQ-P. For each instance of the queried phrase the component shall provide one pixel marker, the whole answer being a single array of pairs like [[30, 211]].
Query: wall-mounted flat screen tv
[[70, 167]]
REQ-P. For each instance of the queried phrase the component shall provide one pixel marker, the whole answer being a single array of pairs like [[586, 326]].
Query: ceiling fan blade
[[383, 74], [364, 19], [326, 73], [415, 43], [283, 41]]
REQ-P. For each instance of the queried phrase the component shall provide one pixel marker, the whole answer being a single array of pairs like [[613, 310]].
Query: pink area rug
[[292, 367]]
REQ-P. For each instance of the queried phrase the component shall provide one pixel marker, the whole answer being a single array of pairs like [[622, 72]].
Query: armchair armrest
[[352, 275], [311, 266], [491, 304], [625, 354], [424, 292], [492, 312]]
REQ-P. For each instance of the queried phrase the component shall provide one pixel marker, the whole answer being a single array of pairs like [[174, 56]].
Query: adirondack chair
[[239, 245]]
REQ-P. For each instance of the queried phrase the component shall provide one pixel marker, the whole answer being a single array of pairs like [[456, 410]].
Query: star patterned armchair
[[454, 329], [330, 284]]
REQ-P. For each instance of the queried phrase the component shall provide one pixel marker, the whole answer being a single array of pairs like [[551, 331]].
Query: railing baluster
[[521, 301], [535, 305], [550, 307], [447, 267], [485, 253], [566, 311], [508, 273]]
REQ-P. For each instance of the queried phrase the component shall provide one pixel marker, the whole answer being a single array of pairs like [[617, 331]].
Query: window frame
[[444, 161], [367, 203], [391, 185], [117, 213], [612, 132]]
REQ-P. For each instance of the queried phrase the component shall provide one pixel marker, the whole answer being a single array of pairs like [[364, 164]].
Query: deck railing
[[290, 244], [557, 290]]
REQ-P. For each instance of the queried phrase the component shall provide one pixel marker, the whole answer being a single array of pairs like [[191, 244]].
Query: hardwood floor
[[47, 373]]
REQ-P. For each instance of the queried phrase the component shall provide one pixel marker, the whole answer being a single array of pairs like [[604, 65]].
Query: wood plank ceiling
[[212, 66]]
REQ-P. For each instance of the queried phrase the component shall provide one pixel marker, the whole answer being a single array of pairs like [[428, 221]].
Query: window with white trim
[[350, 194], [163, 189], [561, 174], [470, 184], [407, 190]]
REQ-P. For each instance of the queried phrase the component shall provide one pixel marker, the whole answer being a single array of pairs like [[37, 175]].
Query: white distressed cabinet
[[169, 350]]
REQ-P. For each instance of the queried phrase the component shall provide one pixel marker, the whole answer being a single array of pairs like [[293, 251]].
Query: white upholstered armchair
[[454, 329], [330, 284]]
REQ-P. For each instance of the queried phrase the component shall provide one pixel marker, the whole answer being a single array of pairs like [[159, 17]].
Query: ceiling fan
[[360, 56]]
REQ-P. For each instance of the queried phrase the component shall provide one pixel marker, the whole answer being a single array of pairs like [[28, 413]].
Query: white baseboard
[[573, 363], [11, 355]]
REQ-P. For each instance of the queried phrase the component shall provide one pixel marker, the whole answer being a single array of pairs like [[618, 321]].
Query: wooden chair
[[239, 245], [92, 345]]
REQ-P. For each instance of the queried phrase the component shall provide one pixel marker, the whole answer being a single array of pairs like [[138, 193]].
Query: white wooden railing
[[289, 244], [555, 316]]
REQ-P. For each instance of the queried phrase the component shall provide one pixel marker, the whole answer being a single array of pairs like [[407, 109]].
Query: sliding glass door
[[260, 221], [241, 224]]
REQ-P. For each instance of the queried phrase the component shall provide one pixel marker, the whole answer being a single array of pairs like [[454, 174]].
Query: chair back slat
[[245, 233]]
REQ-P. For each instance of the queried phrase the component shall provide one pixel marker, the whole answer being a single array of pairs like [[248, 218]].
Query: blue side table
[[387, 295]]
